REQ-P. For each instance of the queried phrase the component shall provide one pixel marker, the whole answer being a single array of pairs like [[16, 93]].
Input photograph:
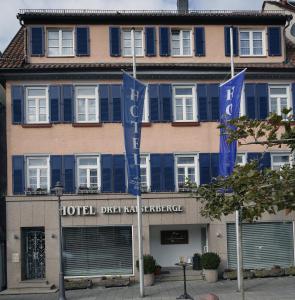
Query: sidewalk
[[256, 289]]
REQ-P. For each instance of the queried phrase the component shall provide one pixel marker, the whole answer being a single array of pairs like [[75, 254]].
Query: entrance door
[[33, 240]]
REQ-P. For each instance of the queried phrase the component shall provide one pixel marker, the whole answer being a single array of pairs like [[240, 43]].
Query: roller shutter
[[264, 245], [98, 251]]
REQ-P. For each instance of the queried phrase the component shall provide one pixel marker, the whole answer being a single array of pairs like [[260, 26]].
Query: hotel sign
[[88, 210]]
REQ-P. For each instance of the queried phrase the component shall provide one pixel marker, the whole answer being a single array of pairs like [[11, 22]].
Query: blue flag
[[230, 95], [134, 92]]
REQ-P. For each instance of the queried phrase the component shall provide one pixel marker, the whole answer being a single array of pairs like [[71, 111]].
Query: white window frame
[[194, 101], [280, 154], [37, 114], [196, 166], [98, 168], [181, 42], [38, 171], [60, 41], [86, 105], [287, 95], [124, 30], [251, 31], [148, 170], [244, 159]]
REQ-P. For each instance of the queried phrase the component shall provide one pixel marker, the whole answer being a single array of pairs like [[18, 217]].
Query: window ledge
[[47, 125], [146, 124], [87, 124], [185, 124]]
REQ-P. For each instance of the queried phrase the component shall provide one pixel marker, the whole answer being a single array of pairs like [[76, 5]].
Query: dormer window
[[60, 42]]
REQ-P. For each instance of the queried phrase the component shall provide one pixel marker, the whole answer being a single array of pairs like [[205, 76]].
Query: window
[[181, 42], [145, 114], [87, 104], [186, 170], [38, 173], [145, 174], [184, 103], [127, 42], [241, 159], [279, 160], [60, 42], [279, 98], [88, 172], [252, 43], [37, 105]]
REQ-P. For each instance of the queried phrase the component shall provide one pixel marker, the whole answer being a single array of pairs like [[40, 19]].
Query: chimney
[[284, 2], [182, 6]]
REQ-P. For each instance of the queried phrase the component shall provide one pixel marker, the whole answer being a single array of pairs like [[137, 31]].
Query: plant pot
[[148, 279], [211, 275]]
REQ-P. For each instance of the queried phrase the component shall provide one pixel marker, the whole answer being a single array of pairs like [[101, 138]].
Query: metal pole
[[61, 295], [240, 275], [138, 198]]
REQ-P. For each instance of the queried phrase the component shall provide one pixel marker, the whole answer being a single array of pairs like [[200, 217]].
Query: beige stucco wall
[[214, 36], [42, 212]]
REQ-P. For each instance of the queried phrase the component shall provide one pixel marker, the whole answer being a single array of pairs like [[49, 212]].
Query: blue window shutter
[[293, 96], [236, 41], [56, 169], [156, 163], [115, 41], [116, 90], [154, 102], [165, 91], [82, 41], [214, 165], [18, 167], [37, 41], [150, 41], [119, 182], [68, 103], [69, 173], [262, 100], [227, 40], [54, 100], [200, 41], [213, 98], [106, 173], [205, 168], [264, 160], [168, 179], [274, 41], [17, 100], [250, 100], [202, 102], [104, 102], [164, 38]]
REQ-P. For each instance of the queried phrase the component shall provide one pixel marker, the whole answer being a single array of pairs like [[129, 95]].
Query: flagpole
[[240, 275], [138, 198]]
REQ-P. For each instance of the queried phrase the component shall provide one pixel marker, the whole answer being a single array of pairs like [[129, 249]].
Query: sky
[[9, 8]]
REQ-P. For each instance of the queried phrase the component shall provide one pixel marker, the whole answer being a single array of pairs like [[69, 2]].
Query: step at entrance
[[176, 274]]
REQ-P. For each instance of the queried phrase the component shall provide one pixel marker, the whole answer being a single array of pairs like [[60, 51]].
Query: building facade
[[63, 79]]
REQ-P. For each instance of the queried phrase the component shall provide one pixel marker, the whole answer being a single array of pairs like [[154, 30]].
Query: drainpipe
[[289, 18]]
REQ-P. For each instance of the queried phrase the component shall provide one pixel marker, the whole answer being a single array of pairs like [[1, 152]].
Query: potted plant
[[149, 266], [210, 262]]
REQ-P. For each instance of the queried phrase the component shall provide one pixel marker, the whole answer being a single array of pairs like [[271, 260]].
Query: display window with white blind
[[60, 42], [37, 110], [88, 173], [145, 173], [181, 42], [279, 98], [278, 160], [38, 173], [184, 98], [186, 171], [87, 108]]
